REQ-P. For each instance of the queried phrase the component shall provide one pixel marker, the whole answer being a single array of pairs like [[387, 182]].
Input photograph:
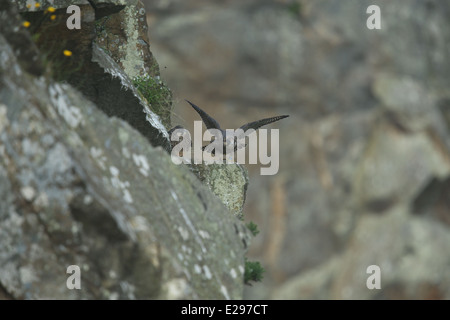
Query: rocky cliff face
[[365, 155], [85, 176], [86, 180]]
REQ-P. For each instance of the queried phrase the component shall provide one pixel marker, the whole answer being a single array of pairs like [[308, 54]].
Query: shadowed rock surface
[[83, 186]]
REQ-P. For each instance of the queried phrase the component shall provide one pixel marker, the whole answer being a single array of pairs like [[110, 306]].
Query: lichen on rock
[[228, 182], [86, 180]]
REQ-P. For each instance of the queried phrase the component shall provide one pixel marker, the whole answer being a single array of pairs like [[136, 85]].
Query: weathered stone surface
[[107, 78], [124, 36], [108, 7], [229, 182], [86, 75], [25, 50], [81, 188]]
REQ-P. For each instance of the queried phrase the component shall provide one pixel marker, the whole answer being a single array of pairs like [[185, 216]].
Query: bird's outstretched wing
[[209, 122], [259, 123]]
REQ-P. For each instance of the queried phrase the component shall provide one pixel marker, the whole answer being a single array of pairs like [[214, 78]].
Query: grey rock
[[403, 247], [229, 182], [81, 187], [396, 167]]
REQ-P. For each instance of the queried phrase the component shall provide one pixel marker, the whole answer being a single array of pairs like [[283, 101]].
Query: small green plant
[[253, 228], [295, 7], [253, 271], [157, 94]]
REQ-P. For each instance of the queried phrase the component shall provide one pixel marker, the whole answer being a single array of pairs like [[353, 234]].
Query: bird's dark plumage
[[259, 123], [209, 122]]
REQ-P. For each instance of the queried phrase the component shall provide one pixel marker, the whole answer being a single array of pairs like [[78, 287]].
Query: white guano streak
[[188, 222]]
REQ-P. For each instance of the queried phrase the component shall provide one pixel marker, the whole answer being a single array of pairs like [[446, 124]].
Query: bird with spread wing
[[211, 123]]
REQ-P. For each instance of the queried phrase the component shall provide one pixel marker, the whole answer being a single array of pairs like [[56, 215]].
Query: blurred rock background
[[364, 173]]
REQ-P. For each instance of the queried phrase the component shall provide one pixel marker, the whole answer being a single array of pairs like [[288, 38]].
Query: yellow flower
[[28, 6], [67, 53], [26, 24], [51, 9], [37, 4], [53, 17]]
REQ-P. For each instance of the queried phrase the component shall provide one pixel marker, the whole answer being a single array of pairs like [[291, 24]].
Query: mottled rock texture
[[86, 179]]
